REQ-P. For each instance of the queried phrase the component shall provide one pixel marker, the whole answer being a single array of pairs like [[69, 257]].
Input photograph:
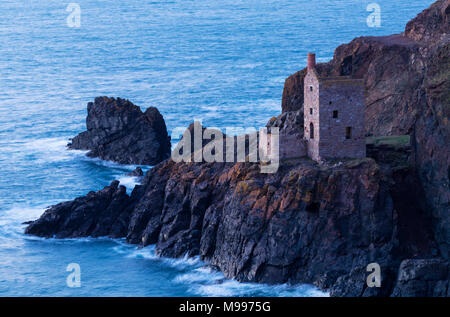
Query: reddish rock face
[[432, 25], [306, 223], [407, 80]]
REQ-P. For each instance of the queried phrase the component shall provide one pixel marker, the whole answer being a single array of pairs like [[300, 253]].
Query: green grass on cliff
[[393, 140]]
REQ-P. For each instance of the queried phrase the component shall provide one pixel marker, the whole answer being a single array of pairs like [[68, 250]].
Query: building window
[[330, 102], [335, 114], [348, 133], [310, 111], [311, 130], [310, 88]]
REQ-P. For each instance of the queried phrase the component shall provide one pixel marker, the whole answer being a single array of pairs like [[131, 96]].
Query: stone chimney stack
[[311, 61]]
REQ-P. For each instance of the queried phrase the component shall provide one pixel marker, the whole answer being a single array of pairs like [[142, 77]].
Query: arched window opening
[[311, 130]]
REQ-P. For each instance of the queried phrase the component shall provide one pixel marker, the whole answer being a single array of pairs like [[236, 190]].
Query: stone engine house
[[334, 119], [334, 112]]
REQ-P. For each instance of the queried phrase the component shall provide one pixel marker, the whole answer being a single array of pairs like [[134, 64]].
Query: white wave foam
[[143, 253], [129, 182], [228, 288], [149, 253], [109, 164], [46, 144], [232, 288], [202, 274], [49, 150], [250, 65], [184, 262], [202, 280], [11, 227], [19, 214]]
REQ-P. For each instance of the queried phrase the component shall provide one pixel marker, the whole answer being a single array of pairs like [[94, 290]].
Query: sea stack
[[119, 131]]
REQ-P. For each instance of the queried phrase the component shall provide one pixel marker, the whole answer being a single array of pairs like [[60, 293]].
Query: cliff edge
[[407, 80]]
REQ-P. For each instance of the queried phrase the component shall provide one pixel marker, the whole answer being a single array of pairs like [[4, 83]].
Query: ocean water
[[220, 61]]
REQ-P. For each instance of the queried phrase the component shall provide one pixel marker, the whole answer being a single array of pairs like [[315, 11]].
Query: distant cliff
[[407, 79], [309, 223]]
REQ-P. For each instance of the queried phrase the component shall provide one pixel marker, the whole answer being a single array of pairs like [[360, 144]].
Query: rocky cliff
[[119, 131], [320, 224], [407, 79]]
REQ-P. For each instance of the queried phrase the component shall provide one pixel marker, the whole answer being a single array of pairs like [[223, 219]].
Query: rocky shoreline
[[309, 222]]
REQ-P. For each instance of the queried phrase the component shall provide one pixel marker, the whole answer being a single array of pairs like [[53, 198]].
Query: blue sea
[[219, 61]]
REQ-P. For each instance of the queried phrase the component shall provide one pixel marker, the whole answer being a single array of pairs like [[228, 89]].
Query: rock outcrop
[[119, 131], [407, 80], [288, 122], [423, 278], [137, 172], [102, 213]]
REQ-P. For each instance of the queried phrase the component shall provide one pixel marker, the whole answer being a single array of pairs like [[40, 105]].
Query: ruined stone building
[[334, 111]]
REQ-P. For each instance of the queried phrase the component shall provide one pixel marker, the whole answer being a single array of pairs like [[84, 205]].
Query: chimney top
[[311, 61]]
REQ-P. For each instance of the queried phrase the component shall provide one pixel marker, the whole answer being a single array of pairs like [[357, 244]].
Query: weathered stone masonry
[[333, 115], [341, 119], [334, 112]]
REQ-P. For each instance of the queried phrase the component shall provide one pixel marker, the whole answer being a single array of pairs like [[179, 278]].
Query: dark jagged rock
[[137, 172], [407, 80], [422, 277], [102, 213], [119, 131], [289, 122], [387, 154]]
